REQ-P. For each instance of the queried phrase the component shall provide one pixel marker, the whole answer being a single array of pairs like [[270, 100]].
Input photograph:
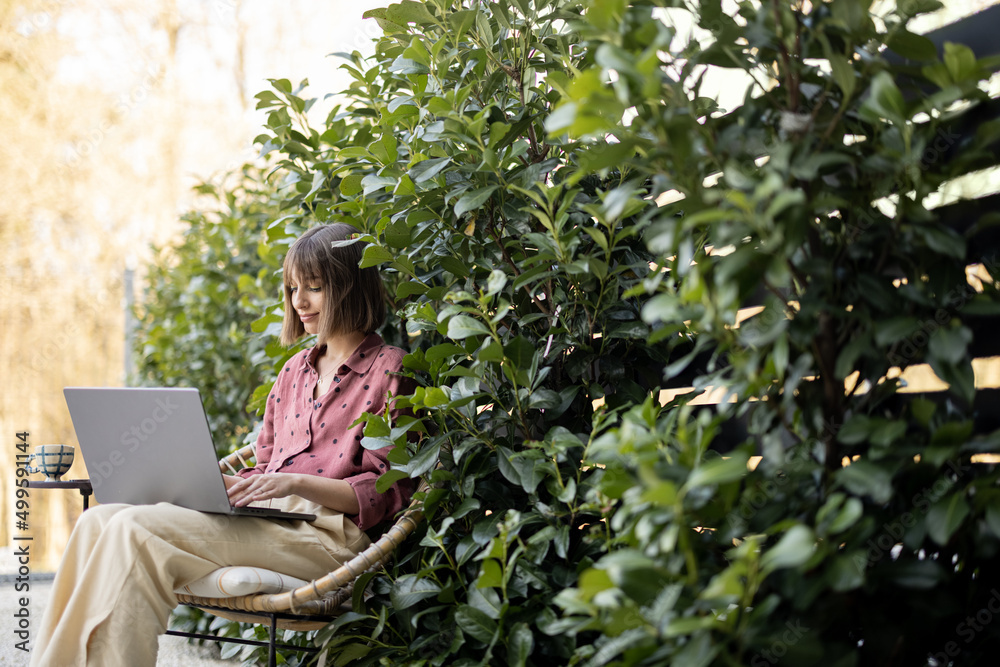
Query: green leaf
[[594, 581], [409, 288], [949, 345], [405, 187], [377, 427], [849, 355], [843, 74], [397, 234], [848, 516], [388, 478], [887, 432], [937, 74], [376, 442], [495, 282], [893, 329], [520, 644], [354, 152], [375, 255], [521, 352], [606, 155], [506, 466], [916, 574], [960, 377], [410, 589], [686, 625], [844, 574], [961, 62], [463, 326], [266, 99], [409, 11], [942, 240], [454, 266], [952, 432], [230, 650], [784, 200], [923, 410], [561, 118], [490, 574], [444, 351], [351, 654], [461, 21], [697, 652], [794, 548], [350, 185], [719, 471], [981, 304], [487, 601], [946, 516], [434, 397], [379, 14], [283, 85], [885, 101], [912, 46], [372, 183], [471, 201], [385, 149], [530, 469], [855, 430], [864, 478], [492, 351], [726, 584], [424, 460], [475, 623], [993, 517], [428, 169]]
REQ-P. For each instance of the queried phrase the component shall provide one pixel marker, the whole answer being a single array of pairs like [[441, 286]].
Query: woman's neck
[[340, 346]]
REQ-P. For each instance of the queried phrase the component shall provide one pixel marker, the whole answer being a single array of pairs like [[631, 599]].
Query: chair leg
[[272, 651]]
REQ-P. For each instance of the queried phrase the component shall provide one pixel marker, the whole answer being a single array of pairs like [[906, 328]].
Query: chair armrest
[[243, 457]]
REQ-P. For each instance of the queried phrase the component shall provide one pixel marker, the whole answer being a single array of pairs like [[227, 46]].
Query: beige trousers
[[114, 591]]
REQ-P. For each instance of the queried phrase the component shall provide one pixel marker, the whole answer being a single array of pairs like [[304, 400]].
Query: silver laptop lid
[[148, 445]]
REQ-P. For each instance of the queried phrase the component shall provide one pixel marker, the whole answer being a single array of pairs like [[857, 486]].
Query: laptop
[[147, 445]]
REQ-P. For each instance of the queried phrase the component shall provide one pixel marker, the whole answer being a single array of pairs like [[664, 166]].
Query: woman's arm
[[333, 493]]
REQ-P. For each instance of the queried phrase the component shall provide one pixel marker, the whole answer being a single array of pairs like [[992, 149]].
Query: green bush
[[513, 297], [505, 160]]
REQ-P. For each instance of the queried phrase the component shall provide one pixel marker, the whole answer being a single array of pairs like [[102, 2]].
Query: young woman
[[114, 590]]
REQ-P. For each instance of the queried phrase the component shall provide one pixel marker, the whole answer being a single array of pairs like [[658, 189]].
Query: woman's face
[[307, 299]]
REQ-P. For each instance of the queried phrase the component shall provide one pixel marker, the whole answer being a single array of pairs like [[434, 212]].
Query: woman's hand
[[262, 487], [333, 493]]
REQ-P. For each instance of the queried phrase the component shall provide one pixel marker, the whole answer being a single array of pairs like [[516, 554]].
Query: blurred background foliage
[[665, 349]]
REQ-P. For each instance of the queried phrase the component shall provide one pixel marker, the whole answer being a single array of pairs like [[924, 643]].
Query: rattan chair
[[312, 606]]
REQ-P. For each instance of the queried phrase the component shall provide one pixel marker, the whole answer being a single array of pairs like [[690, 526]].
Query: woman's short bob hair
[[354, 298]]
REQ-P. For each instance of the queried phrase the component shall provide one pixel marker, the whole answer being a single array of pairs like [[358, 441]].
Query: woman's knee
[[164, 520], [137, 515], [103, 512], [98, 517]]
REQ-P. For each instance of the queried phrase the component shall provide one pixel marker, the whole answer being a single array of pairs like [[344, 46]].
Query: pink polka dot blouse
[[303, 435]]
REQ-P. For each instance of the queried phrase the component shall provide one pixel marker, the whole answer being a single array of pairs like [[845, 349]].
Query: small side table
[[82, 485]]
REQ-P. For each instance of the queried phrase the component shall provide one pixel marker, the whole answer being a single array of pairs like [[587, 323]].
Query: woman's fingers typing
[[261, 487]]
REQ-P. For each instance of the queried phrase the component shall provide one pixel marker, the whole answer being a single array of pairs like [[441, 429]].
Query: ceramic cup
[[53, 461]]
